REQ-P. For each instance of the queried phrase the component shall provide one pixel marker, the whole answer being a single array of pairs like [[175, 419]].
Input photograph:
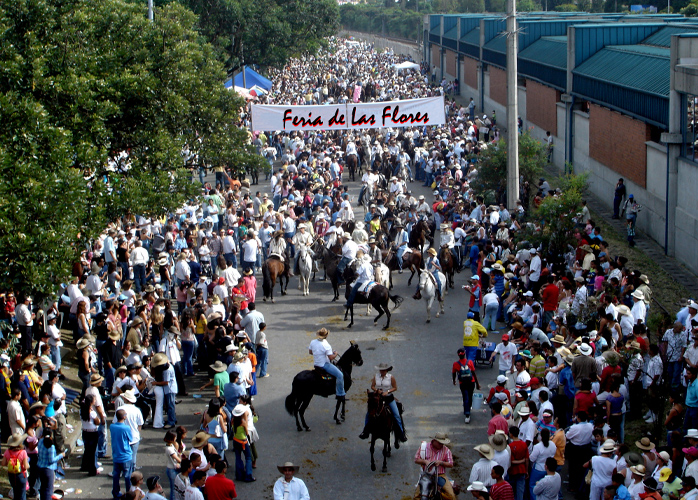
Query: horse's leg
[[296, 410], [336, 412], [351, 311], [429, 301], [379, 308], [372, 449], [271, 289], [412, 269], [304, 405], [386, 453], [391, 280], [344, 408], [441, 306]]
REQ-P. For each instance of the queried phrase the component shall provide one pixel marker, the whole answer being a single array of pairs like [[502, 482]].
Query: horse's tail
[[291, 403], [266, 280], [397, 300]]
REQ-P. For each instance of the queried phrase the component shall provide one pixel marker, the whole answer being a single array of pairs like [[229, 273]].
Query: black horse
[[378, 297], [309, 383], [330, 261], [381, 425]]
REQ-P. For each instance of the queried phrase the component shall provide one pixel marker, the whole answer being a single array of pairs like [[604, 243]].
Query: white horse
[[305, 266], [427, 287]]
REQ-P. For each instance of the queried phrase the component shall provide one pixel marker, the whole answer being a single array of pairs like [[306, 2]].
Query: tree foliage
[[82, 83], [492, 172]]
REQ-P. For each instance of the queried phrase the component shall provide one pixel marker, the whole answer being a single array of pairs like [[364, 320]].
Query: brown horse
[[420, 234], [272, 269], [412, 261], [448, 265], [352, 166]]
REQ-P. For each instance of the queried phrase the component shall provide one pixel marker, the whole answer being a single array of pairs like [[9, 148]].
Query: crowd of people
[[153, 302]]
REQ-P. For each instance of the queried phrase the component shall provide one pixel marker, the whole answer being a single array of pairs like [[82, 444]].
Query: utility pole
[[150, 10], [512, 108]]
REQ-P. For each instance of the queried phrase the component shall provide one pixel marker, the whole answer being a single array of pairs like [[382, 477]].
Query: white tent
[[406, 65]]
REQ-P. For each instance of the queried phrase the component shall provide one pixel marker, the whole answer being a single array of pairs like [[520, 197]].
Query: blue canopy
[[252, 78]]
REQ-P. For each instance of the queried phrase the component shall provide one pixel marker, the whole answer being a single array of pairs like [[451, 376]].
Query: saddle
[[366, 288], [276, 256], [322, 374]]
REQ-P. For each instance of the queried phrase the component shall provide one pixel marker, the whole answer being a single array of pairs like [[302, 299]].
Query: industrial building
[[618, 93]]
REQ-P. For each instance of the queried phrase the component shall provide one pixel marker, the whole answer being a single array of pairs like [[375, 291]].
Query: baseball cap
[[152, 481], [505, 337], [501, 379]]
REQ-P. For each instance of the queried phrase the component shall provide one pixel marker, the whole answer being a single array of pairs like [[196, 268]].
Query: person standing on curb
[[618, 197], [122, 453], [464, 371]]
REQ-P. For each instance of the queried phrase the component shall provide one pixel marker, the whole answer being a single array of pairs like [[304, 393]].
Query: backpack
[[14, 466], [465, 374]]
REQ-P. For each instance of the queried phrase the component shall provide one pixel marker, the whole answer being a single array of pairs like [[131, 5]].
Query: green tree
[[691, 10], [566, 7], [83, 83], [553, 229], [492, 175], [528, 6]]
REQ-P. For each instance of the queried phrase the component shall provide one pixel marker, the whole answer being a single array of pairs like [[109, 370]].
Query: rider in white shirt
[[365, 274]]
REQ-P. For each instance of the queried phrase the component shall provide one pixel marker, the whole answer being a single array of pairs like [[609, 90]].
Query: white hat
[[502, 379], [532, 250], [638, 294], [692, 305], [524, 411], [692, 433], [585, 349], [477, 486], [436, 193]]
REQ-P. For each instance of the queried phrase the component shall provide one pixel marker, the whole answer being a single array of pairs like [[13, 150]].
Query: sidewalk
[[644, 243]]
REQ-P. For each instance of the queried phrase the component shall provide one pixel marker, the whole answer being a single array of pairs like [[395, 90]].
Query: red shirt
[[495, 390], [219, 487], [456, 368], [550, 294], [497, 423], [501, 491], [519, 451]]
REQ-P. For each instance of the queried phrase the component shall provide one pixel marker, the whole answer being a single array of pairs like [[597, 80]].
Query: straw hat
[[645, 444], [159, 359], [200, 439], [558, 339], [213, 316], [498, 440], [431, 251], [129, 396], [384, 366], [323, 333], [16, 440], [485, 450], [638, 470], [218, 367], [525, 411], [82, 343], [96, 379], [114, 335], [644, 279], [288, 465], [441, 437]]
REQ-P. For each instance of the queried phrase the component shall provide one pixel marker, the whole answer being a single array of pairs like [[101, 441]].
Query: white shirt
[[134, 419], [503, 458], [639, 311], [506, 355], [349, 249], [294, 490], [193, 493], [365, 273], [139, 255], [580, 434], [321, 349], [182, 270], [250, 250], [481, 471], [535, 268]]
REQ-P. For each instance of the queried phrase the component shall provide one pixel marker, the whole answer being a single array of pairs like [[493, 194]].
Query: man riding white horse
[[433, 266], [365, 275]]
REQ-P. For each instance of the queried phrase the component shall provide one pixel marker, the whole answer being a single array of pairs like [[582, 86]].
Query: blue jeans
[[19, 485], [134, 457], [337, 373], [172, 475], [674, 369], [231, 259], [352, 294], [99, 344], [288, 236], [691, 419], [169, 403], [139, 277], [466, 390], [518, 484], [470, 353], [187, 358], [102, 441], [536, 475], [491, 316], [46, 476], [262, 360], [243, 461], [56, 356]]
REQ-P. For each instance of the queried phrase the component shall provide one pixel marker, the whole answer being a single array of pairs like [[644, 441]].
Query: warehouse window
[[690, 127]]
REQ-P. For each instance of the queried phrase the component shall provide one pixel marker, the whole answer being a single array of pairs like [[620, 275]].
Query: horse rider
[[349, 250], [374, 252], [277, 246], [411, 218], [402, 238], [437, 451], [385, 385], [433, 266], [322, 356], [301, 239], [365, 275], [368, 181], [346, 213], [446, 238], [423, 208], [360, 236]]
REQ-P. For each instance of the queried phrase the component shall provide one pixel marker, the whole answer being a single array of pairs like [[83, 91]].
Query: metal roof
[[638, 67], [452, 33], [662, 38], [548, 51], [472, 37], [497, 44]]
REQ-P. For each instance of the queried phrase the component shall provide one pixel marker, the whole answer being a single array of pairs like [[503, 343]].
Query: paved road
[[334, 461]]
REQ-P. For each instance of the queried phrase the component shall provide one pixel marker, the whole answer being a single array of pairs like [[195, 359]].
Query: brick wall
[[451, 63], [498, 85], [470, 72], [541, 108], [618, 141], [435, 56]]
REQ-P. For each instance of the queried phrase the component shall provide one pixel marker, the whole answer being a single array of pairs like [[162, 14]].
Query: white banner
[[407, 113]]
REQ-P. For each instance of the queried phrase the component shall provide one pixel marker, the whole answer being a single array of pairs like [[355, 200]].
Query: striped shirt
[[47, 456], [429, 454]]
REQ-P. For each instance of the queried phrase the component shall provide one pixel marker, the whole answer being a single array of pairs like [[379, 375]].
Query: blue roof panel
[[548, 51], [662, 38]]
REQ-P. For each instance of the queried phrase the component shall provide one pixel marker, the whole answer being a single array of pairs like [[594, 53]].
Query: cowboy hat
[[558, 339], [477, 486], [159, 359], [239, 356], [485, 450], [121, 369], [136, 321], [645, 444], [239, 410], [114, 335], [384, 366], [200, 439], [587, 248], [323, 333], [498, 440], [36, 405], [16, 440], [431, 251], [215, 300], [517, 325], [623, 310], [585, 349], [644, 279], [563, 351], [638, 470], [692, 433], [96, 379], [213, 317], [231, 347], [569, 359], [288, 465], [611, 357], [218, 367], [441, 437], [609, 446], [129, 396], [149, 289], [638, 295], [497, 267], [82, 343], [579, 279], [525, 411]]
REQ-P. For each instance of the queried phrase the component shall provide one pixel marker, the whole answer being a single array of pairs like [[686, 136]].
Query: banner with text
[[407, 113]]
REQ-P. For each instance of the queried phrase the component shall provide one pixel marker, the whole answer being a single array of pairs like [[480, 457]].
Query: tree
[[566, 7], [528, 6], [97, 105], [491, 179], [691, 10]]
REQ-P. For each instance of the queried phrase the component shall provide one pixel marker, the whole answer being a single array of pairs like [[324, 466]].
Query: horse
[[380, 425], [420, 234], [305, 266], [382, 277], [410, 260], [330, 261], [309, 383], [378, 297], [428, 483], [272, 269], [448, 265], [427, 289], [352, 165]]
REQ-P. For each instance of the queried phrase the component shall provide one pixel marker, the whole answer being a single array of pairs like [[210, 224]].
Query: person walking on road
[[618, 196], [464, 371]]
